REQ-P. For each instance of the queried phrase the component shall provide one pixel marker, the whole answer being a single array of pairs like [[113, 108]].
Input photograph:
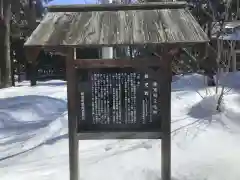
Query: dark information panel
[[117, 100]]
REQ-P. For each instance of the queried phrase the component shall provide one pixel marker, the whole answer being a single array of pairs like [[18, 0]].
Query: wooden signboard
[[120, 96]]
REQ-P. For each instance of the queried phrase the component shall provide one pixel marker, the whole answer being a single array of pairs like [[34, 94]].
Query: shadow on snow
[[25, 117]]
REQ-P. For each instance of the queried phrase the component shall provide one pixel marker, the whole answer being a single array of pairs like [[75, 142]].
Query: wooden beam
[[57, 50], [116, 7], [120, 63]]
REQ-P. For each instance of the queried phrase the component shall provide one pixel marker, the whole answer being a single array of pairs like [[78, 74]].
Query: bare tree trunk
[[6, 80]]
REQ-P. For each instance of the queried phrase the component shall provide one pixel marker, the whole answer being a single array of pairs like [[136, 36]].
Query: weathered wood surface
[[117, 28], [121, 63], [116, 7]]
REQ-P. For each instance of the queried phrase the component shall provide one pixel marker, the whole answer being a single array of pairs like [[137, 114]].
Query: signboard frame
[[163, 70]]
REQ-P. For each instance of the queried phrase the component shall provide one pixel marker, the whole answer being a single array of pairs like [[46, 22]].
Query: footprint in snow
[[147, 146], [142, 145], [108, 148]]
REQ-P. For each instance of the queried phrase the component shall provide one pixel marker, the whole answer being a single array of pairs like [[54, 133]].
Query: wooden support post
[[165, 106], [233, 56], [33, 73], [234, 61], [31, 55], [72, 115]]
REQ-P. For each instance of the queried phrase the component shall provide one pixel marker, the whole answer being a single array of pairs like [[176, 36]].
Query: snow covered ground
[[205, 144]]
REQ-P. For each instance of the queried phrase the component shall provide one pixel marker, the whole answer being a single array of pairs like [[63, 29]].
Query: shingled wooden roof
[[119, 26]]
